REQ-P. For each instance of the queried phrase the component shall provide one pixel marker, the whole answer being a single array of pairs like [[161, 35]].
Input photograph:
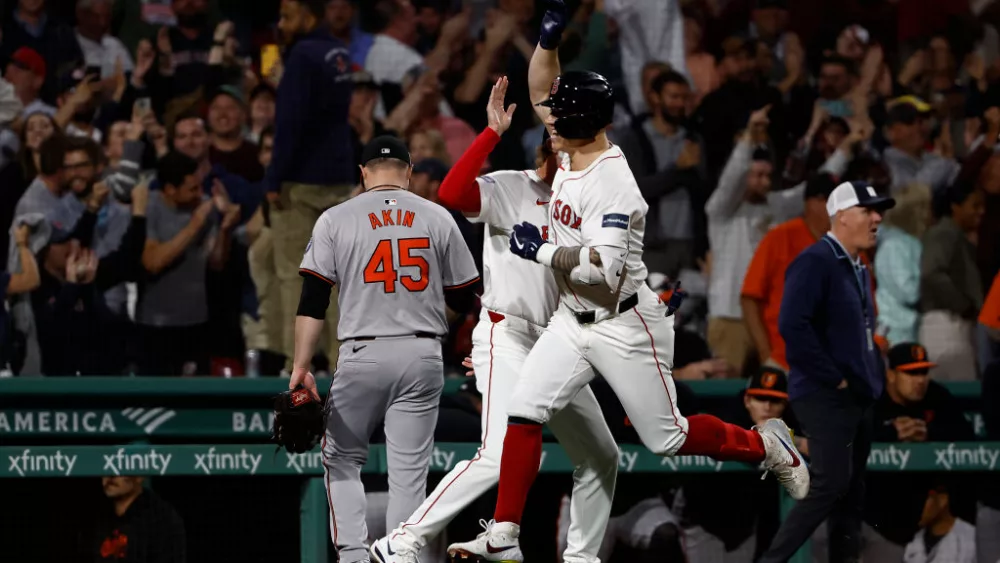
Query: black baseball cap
[[768, 382], [819, 186], [857, 194], [909, 357], [385, 146]]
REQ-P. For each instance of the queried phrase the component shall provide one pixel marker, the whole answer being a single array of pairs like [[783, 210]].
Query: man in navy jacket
[[313, 165], [828, 321]]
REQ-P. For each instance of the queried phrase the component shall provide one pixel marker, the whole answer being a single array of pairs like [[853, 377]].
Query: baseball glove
[[299, 420]]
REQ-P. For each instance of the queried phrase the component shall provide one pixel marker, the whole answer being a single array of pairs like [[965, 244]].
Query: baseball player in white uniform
[[518, 300], [607, 318]]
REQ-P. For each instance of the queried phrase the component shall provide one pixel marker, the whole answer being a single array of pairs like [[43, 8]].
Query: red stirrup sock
[[707, 435], [522, 453]]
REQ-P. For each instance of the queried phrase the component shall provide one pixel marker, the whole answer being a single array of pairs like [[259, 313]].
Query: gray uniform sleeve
[[459, 268], [319, 259]]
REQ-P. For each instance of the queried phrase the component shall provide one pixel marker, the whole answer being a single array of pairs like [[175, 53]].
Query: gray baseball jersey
[[392, 255]]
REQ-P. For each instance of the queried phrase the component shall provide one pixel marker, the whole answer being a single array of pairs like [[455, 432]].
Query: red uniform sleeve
[[459, 190]]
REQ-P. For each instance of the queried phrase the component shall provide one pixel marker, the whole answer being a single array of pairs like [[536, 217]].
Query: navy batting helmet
[[582, 103]]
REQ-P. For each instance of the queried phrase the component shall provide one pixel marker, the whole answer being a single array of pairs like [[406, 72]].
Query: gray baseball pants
[[400, 380]]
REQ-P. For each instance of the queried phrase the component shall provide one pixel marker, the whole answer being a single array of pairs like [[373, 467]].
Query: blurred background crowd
[[162, 163]]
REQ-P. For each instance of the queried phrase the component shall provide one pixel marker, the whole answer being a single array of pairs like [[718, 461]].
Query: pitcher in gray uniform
[[398, 260]]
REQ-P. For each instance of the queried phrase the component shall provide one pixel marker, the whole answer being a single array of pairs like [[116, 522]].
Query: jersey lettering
[[401, 218], [563, 213], [380, 266], [545, 233]]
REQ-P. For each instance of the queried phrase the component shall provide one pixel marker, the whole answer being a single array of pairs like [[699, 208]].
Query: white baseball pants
[[499, 350], [634, 352]]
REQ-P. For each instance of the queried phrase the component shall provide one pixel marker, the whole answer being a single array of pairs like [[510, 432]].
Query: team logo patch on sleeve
[[617, 220]]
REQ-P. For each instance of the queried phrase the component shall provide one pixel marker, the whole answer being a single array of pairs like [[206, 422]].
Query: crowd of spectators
[[737, 118], [162, 163]]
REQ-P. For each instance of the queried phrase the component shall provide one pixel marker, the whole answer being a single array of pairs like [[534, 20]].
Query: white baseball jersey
[[513, 285], [520, 288], [599, 206]]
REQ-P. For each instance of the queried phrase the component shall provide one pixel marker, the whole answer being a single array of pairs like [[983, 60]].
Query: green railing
[[241, 387], [119, 409], [112, 409], [249, 460]]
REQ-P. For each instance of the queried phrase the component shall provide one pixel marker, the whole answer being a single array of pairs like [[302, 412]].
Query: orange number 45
[[380, 267]]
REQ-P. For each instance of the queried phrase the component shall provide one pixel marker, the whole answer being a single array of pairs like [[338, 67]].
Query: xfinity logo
[[212, 461], [39, 463], [892, 456], [626, 459], [679, 463], [136, 463], [980, 456], [300, 462]]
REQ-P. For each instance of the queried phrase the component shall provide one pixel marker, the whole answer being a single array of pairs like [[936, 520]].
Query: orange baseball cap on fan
[[768, 383], [909, 357]]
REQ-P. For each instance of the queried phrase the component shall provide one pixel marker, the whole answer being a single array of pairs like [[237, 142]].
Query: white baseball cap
[[857, 194]]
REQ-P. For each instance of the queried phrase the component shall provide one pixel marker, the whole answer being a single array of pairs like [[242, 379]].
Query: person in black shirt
[[729, 518], [137, 527], [77, 332], [189, 44], [913, 409], [988, 517]]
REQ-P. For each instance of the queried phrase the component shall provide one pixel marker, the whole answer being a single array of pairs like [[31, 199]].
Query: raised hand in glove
[[677, 296], [553, 24], [525, 240], [299, 420]]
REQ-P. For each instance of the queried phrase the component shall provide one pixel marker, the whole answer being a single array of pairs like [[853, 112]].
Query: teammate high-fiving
[[608, 319]]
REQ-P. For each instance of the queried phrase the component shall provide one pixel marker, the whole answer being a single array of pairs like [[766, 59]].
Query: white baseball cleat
[[783, 459], [384, 551], [497, 544]]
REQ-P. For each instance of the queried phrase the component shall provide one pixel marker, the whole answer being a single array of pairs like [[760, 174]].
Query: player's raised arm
[[460, 190], [544, 66]]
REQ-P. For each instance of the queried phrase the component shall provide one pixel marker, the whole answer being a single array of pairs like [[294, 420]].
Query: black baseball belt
[[588, 317], [414, 335]]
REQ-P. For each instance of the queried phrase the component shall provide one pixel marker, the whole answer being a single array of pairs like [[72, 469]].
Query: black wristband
[[315, 297]]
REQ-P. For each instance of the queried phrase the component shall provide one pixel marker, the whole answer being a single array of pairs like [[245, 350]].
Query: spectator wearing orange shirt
[[989, 322], [764, 283]]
